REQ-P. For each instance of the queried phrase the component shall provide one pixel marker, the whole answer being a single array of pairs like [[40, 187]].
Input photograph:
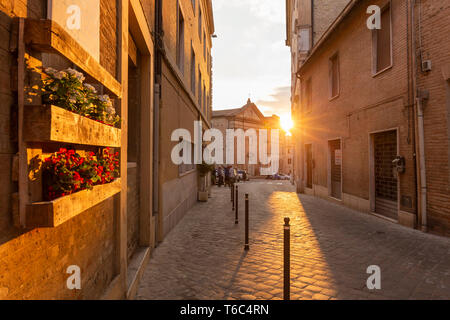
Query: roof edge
[[327, 34]]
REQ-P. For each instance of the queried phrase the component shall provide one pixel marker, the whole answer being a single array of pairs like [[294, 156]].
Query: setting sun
[[286, 123]]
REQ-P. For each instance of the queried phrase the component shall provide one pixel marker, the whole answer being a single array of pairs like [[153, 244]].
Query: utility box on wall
[[81, 19]]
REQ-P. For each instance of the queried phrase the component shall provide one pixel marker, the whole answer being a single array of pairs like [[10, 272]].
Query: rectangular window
[[180, 41], [204, 45], [209, 60], [307, 96], [382, 42], [334, 76], [193, 71], [200, 27], [199, 88], [186, 167], [204, 99], [304, 42], [207, 106]]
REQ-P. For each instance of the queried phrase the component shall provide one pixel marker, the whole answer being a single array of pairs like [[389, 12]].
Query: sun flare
[[286, 123]]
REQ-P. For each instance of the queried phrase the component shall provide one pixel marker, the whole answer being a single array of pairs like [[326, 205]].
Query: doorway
[[309, 166], [385, 180], [335, 169]]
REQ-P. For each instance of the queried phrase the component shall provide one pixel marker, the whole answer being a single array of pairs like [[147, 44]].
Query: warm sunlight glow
[[286, 123]]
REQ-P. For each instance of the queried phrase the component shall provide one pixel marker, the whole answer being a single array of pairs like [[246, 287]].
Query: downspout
[[419, 102], [423, 175], [299, 130], [157, 100]]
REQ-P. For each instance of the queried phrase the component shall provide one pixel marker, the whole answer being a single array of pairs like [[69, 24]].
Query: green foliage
[[204, 168], [66, 172], [66, 89]]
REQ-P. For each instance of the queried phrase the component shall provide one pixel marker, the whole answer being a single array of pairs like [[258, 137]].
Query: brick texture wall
[[108, 36], [179, 108], [33, 263], [366, 103], [325, 12], [436, 47]]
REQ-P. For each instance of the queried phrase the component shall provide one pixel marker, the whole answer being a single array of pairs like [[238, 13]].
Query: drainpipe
[[423, 175], [157, 99], [420, 96]]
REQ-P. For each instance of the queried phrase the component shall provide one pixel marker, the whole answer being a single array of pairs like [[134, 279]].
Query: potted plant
[[204, 170]]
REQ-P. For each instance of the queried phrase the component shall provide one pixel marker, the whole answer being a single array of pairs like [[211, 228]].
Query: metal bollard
[[236, 206], [232, 194], [287, 260], [246, 246]]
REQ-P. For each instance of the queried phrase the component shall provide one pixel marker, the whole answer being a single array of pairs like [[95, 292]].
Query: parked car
[[275, 176], [243, 176]]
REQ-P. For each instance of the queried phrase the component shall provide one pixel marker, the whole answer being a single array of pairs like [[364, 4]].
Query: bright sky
[[250, 56]]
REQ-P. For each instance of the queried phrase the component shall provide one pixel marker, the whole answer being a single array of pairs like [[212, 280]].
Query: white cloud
[[250, 56]]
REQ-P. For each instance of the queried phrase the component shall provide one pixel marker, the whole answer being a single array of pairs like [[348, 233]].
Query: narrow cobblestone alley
[[331, 248]]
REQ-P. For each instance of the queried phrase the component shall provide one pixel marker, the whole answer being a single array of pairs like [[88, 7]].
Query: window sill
[[181, 175], [334, 98], [374, 75]]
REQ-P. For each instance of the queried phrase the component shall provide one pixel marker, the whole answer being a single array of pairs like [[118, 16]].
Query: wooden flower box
[[54, 124], [51, 214], [49, 37]]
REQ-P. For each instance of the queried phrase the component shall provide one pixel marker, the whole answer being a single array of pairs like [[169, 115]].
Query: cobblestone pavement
[[331, 248]]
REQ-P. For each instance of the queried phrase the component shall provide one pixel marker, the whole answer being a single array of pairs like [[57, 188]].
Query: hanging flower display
[[66, 89], [66, 172]]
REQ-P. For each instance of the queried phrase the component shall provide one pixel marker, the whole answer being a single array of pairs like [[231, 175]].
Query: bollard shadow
[[228, 291], [345, 242]]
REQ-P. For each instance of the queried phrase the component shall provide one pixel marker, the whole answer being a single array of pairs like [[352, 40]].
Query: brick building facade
[[185, 82], [358, 96], [249, 117], [110, 237], [431, 28], [34, 261]]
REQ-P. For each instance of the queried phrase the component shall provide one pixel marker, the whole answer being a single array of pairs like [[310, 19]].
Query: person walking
[[221, 176], [227, 176]]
